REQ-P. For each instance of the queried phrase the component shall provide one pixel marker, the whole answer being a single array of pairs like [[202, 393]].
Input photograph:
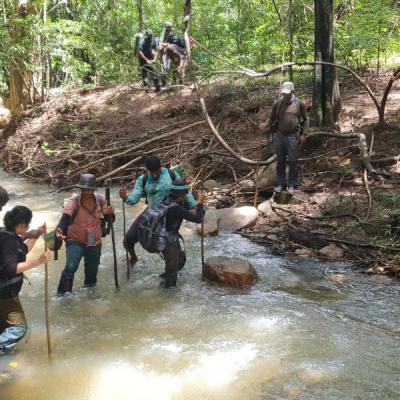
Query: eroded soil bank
[[338, 213]]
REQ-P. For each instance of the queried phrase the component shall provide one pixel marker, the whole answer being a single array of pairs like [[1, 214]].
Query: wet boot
[[66, 282], [170, 280]]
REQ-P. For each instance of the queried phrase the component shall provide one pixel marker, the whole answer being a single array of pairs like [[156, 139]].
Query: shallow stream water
[[295, 335]]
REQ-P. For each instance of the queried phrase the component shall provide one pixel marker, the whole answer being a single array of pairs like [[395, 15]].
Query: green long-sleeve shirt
[[156, 190]]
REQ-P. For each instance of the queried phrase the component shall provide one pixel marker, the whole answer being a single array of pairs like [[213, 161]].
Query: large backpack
[[137, 41], [152, 230]]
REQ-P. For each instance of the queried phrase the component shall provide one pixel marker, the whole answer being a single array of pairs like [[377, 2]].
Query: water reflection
[[294, 335]]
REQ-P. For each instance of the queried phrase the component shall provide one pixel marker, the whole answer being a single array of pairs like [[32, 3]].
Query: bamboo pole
[[46, 298], [124, 221]]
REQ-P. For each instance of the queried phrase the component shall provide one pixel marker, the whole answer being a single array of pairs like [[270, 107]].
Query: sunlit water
[[295, 335]]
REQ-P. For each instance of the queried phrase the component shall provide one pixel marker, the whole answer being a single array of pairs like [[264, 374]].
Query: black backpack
[[152, 230]]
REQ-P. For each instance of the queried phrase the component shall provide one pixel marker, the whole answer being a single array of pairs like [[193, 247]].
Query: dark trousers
[[171, 256], [13, 326], [132, 236], [75, 252], [149, 69], [287, 149]]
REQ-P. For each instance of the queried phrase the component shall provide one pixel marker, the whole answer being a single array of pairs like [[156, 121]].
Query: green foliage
[[90, 41]]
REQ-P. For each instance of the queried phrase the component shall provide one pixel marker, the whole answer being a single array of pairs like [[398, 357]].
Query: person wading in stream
[[177, 212], [147, 57], [3, 197], [155, 185], [289, 121], [81, 225], [13, 264]]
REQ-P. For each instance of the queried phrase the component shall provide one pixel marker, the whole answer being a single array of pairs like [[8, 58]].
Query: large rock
[[228, 220], [332, 251], [265, 208], [210, 224], [266, 176], [233, 219], [211, 184], [337, 205], [230, 271]]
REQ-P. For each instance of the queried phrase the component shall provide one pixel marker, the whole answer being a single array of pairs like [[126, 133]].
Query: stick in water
[[110, 223], [203, 273], [46, 297], [124, 221]]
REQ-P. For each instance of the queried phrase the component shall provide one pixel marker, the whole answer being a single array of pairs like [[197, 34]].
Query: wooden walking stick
[[46, 297], [111, 227], [203, 272], [124, 221]]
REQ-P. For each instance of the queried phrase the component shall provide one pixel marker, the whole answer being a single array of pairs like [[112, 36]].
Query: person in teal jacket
[[155, 186]]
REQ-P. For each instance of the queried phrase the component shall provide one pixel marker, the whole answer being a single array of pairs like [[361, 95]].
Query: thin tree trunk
[[140, 14], [291, 36], [326, 95]]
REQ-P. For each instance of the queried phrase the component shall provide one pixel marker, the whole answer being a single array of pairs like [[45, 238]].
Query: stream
[[294, 335]]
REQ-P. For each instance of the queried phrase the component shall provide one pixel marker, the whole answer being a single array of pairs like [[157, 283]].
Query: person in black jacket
[[177, 212], [3, 197], [13, 264]]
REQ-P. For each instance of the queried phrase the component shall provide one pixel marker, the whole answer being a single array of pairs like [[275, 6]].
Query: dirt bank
[[337, 214]]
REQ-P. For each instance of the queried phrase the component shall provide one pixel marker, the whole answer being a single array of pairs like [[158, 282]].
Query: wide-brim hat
[[87, 181], [179, 188]]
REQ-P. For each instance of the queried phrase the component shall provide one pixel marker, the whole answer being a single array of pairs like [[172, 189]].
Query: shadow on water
[[306, 330]]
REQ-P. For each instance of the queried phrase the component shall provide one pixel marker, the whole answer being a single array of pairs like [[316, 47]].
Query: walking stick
[[46, 297], [111, 226], [203, 272], [124, 220]]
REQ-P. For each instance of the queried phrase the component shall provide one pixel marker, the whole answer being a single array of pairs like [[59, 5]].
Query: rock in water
[[210, 224], [332, 251], [233, 219], [230, 271]]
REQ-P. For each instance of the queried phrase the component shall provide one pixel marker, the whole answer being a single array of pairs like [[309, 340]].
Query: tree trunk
[[20, 82], [140, 14], [326, 95], [291, 36]]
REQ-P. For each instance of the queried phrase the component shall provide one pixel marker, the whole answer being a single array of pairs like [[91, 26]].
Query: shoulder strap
[[297, 102], [172, 174], [77, 200], [278, 109], [99, 199], [144, 181]]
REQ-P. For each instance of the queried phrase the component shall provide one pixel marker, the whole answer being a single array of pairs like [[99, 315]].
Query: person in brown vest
[[289, 121]]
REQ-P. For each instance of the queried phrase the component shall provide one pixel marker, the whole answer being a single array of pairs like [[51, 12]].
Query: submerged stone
[[230, 271]]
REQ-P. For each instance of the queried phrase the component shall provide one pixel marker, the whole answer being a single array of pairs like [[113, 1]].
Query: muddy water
[[295, 335]]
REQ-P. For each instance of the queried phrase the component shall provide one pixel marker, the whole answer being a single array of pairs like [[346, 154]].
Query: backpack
[[297, 102], [137, 41], [172, 175], [152, 230]]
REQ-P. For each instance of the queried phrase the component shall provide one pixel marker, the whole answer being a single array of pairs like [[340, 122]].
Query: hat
[[87, 181], [167, 24], [179, 188], [3, 196], [287, 87]]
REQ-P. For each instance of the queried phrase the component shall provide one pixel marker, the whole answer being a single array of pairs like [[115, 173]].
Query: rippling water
[[295, 335]]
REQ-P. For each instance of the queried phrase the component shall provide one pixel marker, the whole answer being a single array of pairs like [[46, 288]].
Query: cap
[[179, 188], [287, 87]]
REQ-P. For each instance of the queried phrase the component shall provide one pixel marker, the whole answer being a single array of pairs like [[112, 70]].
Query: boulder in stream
[[228, 220], [230, 271]]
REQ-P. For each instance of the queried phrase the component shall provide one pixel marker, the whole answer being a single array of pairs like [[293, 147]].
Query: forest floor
[[336, 214]]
